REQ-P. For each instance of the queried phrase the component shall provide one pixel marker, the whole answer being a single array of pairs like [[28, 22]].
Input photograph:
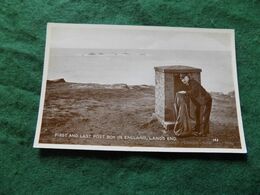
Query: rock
[[62, 80], [119, 86], [231, 93]]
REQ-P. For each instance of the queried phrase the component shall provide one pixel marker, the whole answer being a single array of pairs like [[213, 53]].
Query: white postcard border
[[36, 143]]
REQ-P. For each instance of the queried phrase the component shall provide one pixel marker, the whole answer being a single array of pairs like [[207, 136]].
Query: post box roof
[[176, 69]]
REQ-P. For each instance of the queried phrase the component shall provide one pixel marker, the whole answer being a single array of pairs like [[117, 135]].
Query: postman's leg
[[206, 117], [198, 118]]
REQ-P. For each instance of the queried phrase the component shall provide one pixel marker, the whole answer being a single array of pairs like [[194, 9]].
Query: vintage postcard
[[140, 88]]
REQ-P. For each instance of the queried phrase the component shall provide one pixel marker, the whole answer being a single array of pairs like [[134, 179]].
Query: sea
[[136, 66]]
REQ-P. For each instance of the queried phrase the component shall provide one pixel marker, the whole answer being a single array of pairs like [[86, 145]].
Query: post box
[[167, 83]]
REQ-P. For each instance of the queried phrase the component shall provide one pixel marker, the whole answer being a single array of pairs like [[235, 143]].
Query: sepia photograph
[[140, 88]]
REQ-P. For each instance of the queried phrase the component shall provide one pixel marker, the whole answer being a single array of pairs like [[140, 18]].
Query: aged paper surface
[[140, 88]]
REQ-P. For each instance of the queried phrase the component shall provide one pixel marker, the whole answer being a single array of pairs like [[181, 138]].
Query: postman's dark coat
[[197, 93]]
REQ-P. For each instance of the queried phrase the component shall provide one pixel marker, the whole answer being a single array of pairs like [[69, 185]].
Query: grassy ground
[[121, 115]]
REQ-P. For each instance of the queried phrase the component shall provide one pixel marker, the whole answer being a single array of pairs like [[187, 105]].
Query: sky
[[138, 37], [110, 54]]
